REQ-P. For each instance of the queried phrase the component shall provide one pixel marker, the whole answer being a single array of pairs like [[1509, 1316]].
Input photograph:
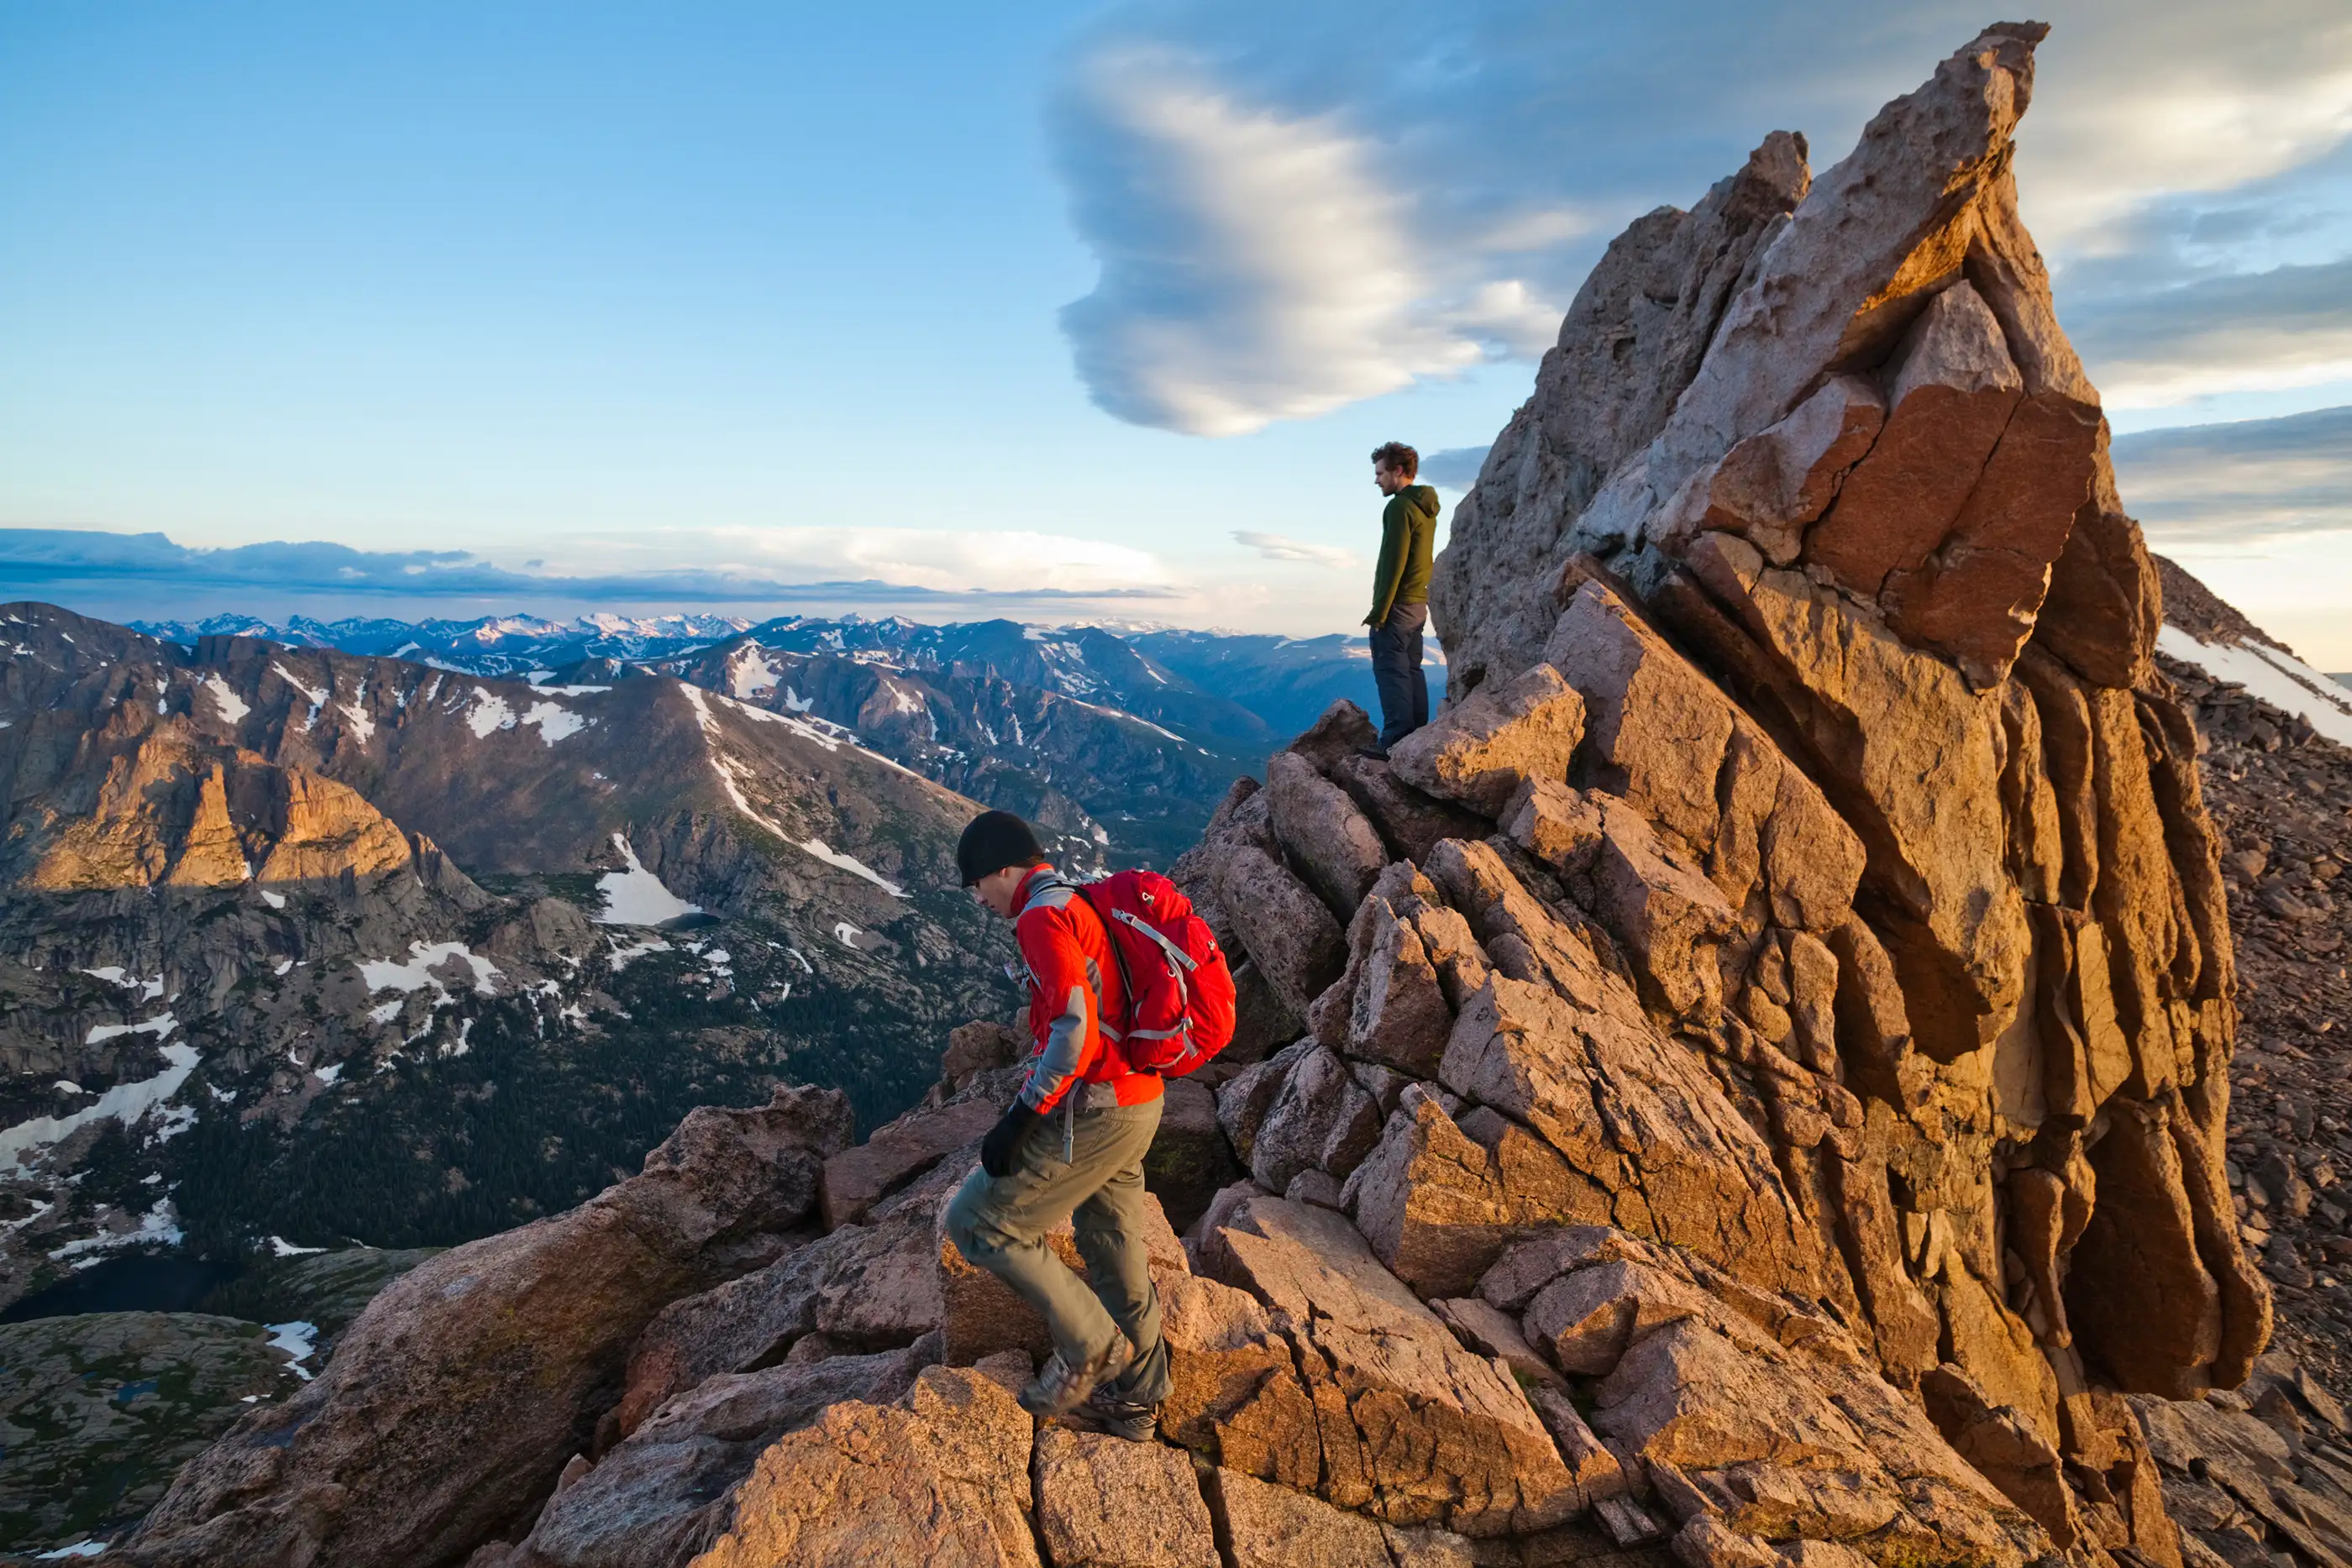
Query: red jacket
[[1072, 977]]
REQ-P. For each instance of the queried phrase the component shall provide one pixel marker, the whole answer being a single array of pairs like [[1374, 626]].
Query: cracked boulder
[[1290, 936], [857, 1178], [655, 1500], [1480, 749], [1752, 1411], [1390, 1006], [1394, 1418], [1323, 832], [939, 1477], [1439, 1199], [1105, 1502], [871, 1286], [1278, 1528], [1322, 1119]]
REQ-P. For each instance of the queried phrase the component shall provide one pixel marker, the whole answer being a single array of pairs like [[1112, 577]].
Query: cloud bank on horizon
[[2229, 484], [2195, 488], [119, 575], [1297, 208]]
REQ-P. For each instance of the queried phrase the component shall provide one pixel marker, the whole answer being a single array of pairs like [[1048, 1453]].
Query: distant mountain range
[[1126, 740], [310, 945]]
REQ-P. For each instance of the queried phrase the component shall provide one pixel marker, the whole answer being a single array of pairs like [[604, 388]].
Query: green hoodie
[[1408, 531]]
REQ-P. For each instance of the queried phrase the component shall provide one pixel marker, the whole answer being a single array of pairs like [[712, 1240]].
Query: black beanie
[[992, 840]]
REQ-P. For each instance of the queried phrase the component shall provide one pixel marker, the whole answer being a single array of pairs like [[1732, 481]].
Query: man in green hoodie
[[1401, 592]]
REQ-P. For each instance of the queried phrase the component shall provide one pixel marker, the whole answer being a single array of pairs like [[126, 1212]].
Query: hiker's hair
[[1397, 456]]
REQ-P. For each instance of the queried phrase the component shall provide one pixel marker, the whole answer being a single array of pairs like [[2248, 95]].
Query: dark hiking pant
[[1001, 1222], [1396, 672]]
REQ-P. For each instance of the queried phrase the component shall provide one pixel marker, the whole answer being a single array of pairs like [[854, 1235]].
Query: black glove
[[1000, 1151]]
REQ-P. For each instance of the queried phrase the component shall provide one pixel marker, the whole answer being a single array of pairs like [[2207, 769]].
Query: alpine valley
[[302, 947]]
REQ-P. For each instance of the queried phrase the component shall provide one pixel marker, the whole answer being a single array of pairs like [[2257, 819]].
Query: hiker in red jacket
[[1073, 1144]]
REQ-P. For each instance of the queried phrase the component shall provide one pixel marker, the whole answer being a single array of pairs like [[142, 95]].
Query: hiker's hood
[[1421, 498]]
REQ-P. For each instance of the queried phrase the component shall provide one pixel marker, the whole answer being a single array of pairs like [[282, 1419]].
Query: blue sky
[[1109, 300]]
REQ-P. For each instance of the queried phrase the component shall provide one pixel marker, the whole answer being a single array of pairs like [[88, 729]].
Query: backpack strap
[[1175, 954], [1126, 979]]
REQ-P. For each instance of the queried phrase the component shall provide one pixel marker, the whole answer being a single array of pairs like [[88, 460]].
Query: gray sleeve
[[1059, 1063]]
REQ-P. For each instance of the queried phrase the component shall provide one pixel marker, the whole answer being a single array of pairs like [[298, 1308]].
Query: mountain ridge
[[1123, 741], [235, 901]]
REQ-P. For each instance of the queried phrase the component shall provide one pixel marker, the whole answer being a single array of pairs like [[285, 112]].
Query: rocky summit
[[1749, 1086]]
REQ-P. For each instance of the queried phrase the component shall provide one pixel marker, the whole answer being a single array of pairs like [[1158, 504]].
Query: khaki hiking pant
[[1000, 1223]]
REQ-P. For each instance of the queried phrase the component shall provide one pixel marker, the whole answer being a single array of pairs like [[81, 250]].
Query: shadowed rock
[[1325, 836], [456, 1397], [1322, 1120]]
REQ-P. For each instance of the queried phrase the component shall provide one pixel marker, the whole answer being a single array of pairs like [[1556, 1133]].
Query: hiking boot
[[1123, 1417], [1060, 1388], [1377, 753]]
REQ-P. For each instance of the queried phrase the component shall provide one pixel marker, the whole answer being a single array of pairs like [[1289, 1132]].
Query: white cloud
[[2148, 100], [124, 575], [1280, 276], [940, 559], [1297, 207], [1274, 547], [1455, 468]]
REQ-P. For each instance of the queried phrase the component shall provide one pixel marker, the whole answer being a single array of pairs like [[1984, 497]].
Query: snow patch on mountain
[[2273, 675], [391, 975], [555, 721], [636, 896], [125, 1102], [356, 711], [231, 707], [749, 672], [158, 1025], [852, 864], [318, 698], [489, 712], [159, 1227], [298, 1340], [115, 975], [621, 957]]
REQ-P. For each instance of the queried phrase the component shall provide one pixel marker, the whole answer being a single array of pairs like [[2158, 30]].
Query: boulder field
[[1746, 1086]]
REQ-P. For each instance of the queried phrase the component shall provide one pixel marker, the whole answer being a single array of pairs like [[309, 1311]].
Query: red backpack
[[1180, 991]]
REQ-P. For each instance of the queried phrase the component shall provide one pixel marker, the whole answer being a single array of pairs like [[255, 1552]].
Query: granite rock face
[[1745, 1086]]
